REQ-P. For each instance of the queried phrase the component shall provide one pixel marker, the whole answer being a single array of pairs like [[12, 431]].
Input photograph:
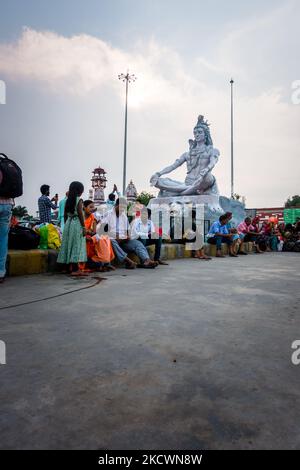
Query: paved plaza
[[194, 355]]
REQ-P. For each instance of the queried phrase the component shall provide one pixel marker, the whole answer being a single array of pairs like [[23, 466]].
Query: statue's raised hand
[[154, 179]]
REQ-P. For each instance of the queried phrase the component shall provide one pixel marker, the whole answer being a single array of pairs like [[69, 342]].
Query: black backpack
[[11, 181], [22, 238]]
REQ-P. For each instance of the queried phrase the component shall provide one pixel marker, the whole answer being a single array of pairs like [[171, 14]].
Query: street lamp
[[126, 79], [232, 168]]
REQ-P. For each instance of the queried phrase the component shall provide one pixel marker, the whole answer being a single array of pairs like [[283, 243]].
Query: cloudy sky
[[64, 111]]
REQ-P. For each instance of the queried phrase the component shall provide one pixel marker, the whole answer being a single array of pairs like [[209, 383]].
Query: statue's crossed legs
[[172, 187]]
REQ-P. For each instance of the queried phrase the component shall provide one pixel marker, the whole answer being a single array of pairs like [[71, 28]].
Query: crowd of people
[[90, 241], [268, 235]]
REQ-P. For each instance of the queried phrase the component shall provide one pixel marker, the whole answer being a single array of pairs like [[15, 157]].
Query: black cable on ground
[[98, 280]]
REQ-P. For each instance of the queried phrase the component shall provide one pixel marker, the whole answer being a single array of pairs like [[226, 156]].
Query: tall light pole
[[127, 79], [232, 168]]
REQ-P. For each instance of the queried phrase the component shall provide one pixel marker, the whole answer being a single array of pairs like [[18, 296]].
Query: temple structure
[[99, 181], [131, 192]]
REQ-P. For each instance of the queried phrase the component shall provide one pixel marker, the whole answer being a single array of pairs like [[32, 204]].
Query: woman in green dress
[[73, 247]]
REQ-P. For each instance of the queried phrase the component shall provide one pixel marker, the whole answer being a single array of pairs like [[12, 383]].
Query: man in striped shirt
[[45, 205]]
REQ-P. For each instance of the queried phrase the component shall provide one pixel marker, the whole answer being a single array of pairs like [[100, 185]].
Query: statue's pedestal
[[214, 206]]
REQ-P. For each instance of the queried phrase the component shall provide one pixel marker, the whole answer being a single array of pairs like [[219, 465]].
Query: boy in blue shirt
[[219, 234]]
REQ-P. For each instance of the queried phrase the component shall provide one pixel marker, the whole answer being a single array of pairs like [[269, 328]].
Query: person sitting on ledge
[[219, 234], [236, 238], [142, 229], [247, 234], [99, 249], [200, 254], [230, 225], [261, 239], [118, 230], [191, 237]]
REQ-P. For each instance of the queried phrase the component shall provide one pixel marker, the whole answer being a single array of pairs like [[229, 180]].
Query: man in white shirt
[[142, 229], [118, 231]]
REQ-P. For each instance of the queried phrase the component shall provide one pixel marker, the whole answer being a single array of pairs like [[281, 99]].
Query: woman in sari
[[99, 248], [269, 230], [261, 239]]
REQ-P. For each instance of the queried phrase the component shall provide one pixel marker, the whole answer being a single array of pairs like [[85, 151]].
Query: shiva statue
[[200, 161]]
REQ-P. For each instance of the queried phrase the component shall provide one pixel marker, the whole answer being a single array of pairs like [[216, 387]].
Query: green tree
[[20, 211], [293, 202], [144, 198]]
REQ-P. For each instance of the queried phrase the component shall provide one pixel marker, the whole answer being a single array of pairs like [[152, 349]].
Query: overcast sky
[[64, 111]]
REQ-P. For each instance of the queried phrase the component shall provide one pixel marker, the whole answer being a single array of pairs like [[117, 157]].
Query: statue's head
[[202, 132]]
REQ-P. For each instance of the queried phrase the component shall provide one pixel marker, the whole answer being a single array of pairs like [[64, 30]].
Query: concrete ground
[[196, 355]]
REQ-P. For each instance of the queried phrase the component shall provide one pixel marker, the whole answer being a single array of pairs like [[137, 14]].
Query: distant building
[[98, 184], [131, 192], [266, 213]]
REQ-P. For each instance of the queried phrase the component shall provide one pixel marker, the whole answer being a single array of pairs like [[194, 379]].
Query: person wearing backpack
[[11, 186]]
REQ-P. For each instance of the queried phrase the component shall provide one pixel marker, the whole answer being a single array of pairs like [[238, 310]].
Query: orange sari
[[98, 250]]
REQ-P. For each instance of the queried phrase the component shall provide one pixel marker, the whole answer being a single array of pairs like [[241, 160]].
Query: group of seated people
[[266, 236], [110, 236], [290, 236], [272, 235], [222, 231]]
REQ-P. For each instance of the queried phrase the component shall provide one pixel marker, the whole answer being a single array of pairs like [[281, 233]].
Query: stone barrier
[[21, 262]]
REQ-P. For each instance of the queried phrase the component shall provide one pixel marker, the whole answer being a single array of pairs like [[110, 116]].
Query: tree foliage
[[293, 201], [20, 211], [144, 198]]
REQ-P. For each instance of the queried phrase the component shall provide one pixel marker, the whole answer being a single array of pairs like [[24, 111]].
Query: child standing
[[73, 247]]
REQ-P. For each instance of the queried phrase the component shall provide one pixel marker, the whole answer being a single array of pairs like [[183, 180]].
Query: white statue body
[[200, 161]]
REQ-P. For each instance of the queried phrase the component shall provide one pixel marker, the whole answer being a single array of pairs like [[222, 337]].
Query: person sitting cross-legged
[[248, 234], [237, 239], [219, 234], [118, 228], [143, 229]]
